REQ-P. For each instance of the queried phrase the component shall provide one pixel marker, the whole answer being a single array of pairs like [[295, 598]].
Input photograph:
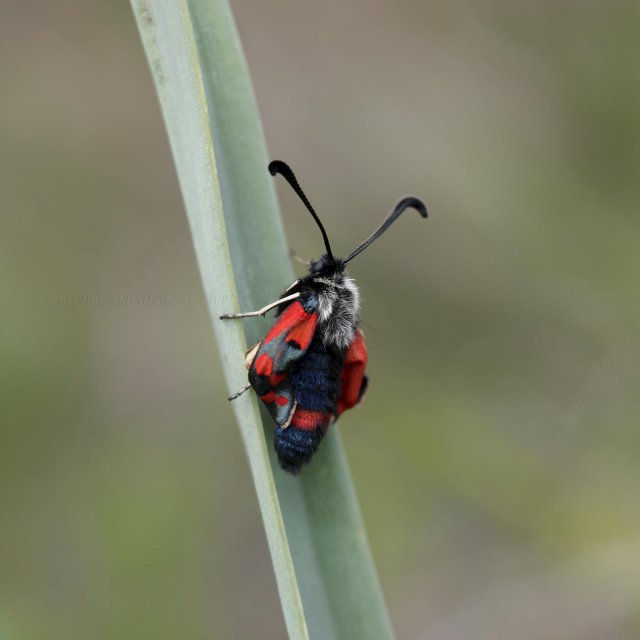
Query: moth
[[310, 367]]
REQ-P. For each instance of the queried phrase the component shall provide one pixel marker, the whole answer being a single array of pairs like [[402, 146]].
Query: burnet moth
[[310, 367]]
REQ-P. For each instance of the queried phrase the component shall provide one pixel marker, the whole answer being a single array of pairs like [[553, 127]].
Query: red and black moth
[[310, 367]]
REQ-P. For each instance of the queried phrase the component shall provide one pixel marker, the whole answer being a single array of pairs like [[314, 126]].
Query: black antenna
[[277, 166], [406, 203]]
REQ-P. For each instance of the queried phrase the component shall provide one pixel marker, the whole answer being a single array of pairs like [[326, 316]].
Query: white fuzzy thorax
[[338, 310]]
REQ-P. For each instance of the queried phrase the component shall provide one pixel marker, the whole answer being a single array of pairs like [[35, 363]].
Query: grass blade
[[167, 34], [221, 159]]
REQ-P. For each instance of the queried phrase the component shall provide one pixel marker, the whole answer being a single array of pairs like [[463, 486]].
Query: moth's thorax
[[338, 307], [327, 290]]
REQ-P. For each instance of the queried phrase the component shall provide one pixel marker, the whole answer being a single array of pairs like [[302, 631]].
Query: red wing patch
[[286, 342], [263, 366], [354, 382], [298, 325]]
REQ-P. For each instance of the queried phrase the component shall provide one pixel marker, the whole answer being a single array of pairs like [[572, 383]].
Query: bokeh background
[[496, 456]]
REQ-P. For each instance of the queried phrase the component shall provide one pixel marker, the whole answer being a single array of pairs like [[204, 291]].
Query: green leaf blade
[[326, 579], [167, 35]]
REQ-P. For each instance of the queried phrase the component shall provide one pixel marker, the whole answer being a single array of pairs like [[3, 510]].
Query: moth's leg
[[259, 312], [291, 286], [239, 393]]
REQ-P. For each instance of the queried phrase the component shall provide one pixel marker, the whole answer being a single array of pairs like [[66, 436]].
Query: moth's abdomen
[[315, 379]]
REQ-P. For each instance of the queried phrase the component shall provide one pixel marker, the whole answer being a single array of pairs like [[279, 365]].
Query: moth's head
[[326, 266]]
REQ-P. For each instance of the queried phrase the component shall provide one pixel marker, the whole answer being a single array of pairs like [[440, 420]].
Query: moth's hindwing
[[354, 382], [286, 342]]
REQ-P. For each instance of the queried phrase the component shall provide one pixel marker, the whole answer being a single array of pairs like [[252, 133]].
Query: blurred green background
[[496, 456]]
